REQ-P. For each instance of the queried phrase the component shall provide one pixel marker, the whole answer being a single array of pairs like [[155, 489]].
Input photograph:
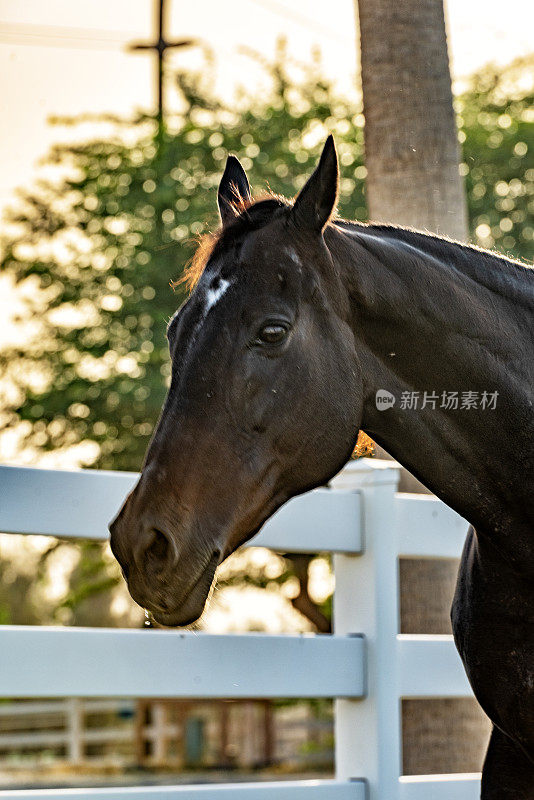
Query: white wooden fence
[[67, 718], [366, 665]]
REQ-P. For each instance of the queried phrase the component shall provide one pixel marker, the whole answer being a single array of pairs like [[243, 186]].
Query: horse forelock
[[250, 216]]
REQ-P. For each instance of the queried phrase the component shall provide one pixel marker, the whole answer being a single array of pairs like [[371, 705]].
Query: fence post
[[366, 600], [160, 728], [75, 726]]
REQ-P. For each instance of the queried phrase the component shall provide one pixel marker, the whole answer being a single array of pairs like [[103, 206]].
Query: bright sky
[[67, 56]]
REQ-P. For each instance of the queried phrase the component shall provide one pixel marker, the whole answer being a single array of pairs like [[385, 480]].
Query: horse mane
[[251, 214]]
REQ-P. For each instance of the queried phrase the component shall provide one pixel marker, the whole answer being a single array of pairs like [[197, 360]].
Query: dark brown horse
[[295, 323]]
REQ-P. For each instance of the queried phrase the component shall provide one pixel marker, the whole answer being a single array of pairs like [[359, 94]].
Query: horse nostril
[[159, 547], [153, 549]]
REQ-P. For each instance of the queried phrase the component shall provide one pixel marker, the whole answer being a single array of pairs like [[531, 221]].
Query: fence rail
[[465, 786], [366, 665], [319, 520], [288, 790], [427, 528], [96, 662]]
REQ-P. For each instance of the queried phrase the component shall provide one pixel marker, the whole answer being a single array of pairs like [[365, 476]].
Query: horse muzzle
[[170, 580], [177, 608]]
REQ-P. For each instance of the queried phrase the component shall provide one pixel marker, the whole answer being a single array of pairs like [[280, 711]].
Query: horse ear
[[317, 199], [233, 188]]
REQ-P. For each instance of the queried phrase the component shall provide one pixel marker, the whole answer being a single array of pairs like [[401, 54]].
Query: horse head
[[265, 396]]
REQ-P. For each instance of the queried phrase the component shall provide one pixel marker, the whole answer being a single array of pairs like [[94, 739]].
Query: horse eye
[[271, 334]]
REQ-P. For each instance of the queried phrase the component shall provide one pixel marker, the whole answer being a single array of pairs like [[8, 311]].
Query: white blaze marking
[[211, 297], [214, 295]]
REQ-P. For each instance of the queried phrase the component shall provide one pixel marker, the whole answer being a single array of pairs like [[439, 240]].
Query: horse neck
[[423, 323]]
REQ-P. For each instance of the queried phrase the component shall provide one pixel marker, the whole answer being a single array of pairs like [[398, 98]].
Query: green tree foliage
[[496, 116], [88, 597], [18, 604], [106, 240], [60, 582]]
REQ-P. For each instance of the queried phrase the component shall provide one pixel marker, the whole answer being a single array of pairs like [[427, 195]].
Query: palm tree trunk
[[411, 156], [411, 146]]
